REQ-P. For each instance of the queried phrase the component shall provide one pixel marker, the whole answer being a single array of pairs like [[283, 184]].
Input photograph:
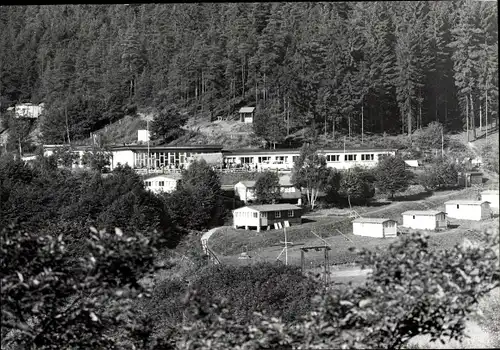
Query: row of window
[[156, 183], [329, 158], [277, 214]]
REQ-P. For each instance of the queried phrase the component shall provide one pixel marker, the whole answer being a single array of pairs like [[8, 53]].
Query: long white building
[[175, 157]]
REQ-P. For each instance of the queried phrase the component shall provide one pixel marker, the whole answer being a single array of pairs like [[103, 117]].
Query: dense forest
[[335, 67]]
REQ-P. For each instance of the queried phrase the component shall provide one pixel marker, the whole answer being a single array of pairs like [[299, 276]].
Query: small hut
[[247, 114], [468, 209], [424, 219], [375, 227]]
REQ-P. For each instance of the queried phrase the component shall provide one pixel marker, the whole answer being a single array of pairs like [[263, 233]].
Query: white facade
[[122, 157], [424, 219], [143, 135], [468, 210], [28, 110], [375, 227], [161, 183], [492, 197], [247, 216], [285, 159], [245, 190]]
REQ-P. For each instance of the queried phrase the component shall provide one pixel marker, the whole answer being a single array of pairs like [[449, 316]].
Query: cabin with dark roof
[[266, 215], [247, 114]]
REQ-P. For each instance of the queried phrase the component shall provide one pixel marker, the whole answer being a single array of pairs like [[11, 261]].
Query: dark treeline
[[350, 67]]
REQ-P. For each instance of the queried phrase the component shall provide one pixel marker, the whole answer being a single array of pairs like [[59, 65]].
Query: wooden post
[[327, 266], [302, 261]]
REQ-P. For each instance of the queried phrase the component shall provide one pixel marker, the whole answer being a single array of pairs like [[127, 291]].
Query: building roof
[[167, 148], [284, 182], [248, 183], [495, 192], [272, 207], [246, 110], [423, 212], [291, 195], [372, 220], [466, 202], [163, 176], [243, 151]]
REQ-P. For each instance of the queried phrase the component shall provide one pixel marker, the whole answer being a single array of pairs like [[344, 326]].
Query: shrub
[[413, 290], [441, 174]]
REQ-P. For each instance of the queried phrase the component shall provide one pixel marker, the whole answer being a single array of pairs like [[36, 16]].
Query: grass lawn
[[228, 241]]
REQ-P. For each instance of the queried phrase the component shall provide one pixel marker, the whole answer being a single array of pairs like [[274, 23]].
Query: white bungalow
[[245, 190], [424, 219], [468, 209], [491, 196], [162, 183], [266, 215], [375, 227]]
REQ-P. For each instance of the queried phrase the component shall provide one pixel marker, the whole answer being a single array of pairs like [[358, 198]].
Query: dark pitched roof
[[272, 207]]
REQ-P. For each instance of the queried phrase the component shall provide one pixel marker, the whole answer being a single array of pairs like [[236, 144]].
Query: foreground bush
[[281, 290], [413, 290]]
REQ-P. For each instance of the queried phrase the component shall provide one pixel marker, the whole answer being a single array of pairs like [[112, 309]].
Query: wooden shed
[[375, 227], [424, 219], [266, 215], [491, 196], [468, 209], [247, 114], [468, 179]]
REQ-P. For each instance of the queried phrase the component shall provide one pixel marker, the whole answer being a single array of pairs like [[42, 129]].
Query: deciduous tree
[[267, 187], [311, 173]]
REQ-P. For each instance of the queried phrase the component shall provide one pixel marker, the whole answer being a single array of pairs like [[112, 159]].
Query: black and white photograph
[[249, 175]]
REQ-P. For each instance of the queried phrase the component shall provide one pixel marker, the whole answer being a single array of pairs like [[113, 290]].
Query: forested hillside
[[335, 67]]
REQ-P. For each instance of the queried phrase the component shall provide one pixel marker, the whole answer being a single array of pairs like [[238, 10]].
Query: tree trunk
[[288, 117], [436, 109], [486, 112], [243, 77], [349, 124], [409, 122], [467, 116], [256, 89], [333, 128], [480, 117], [473, 119], [362, 123], [67, 124], [446, 110]]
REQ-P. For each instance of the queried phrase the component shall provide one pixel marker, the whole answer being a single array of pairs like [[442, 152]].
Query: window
[[255, 215], [263, 214], [295, 159], [290, 213], [332, 157], [413, 217], [350, 157], [458, 206], [277, 214], [367, 157], [162, 183], [148, 183]]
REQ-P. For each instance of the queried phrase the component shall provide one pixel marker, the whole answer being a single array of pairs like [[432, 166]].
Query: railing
[[212, 257]]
